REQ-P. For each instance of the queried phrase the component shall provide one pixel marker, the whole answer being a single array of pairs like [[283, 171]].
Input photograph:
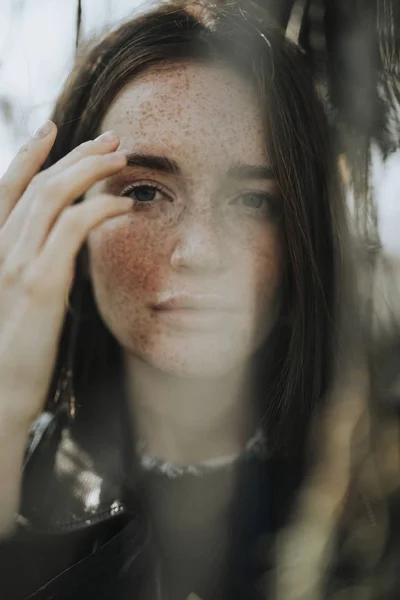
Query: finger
[[54, 195], [71, 230], [103, 144], [24, 167]]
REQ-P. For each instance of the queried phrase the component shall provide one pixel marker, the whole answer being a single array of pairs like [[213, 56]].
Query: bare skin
[[207, 229], [40, 236]]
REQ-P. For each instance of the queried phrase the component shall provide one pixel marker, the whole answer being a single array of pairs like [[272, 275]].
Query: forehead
[[190, 110]]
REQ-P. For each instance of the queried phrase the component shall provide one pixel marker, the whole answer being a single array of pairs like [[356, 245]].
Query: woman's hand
[[40, 236]]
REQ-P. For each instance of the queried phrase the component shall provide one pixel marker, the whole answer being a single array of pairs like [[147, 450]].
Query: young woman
[[174, 288]]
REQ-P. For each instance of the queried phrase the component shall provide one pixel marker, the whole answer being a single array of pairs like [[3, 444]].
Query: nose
[[200, 244]]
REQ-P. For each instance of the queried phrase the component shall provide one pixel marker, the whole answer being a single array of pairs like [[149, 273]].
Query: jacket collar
[[66, 484], [73, 474]]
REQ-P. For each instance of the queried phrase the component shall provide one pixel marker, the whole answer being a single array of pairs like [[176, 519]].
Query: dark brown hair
[[295, 367]]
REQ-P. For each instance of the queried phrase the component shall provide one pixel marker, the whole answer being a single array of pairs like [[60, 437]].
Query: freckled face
[[189, 280]]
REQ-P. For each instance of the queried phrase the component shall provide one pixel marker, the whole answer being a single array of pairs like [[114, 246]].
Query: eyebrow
[[244, 171], [155, 163], [166, 165]]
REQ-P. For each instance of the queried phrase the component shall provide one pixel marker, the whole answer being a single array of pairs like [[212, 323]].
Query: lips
[[195, 312], [206, 302], [194, 319]]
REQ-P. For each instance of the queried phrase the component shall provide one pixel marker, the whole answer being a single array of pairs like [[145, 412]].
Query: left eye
[[254, 200], [257, 202]]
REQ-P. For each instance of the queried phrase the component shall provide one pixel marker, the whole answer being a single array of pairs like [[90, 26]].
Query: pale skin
[[209, 229]]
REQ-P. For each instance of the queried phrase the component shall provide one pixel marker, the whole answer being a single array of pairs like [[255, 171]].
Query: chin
[[203, 357]]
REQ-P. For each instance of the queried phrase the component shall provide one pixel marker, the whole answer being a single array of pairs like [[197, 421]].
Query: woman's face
[[189, 280]]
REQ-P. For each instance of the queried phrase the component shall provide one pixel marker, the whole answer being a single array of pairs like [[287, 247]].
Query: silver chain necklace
[[256, 447]]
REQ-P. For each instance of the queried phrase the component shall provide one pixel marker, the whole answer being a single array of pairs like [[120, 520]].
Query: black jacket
[[76, 538]]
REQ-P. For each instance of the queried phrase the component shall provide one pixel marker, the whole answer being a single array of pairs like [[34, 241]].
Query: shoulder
[[71, 512], [65, 486]]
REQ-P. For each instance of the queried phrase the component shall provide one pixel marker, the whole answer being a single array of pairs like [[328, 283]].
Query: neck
[[190, 420]]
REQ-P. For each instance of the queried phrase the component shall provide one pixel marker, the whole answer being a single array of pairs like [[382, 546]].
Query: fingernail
[[43, 130], [108, 136]]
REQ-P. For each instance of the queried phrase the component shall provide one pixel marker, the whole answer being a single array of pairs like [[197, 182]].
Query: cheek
[[267, 260], [127, 261]]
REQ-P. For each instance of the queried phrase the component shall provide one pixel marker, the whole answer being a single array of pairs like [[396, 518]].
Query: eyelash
[[143, 184], [268, 199]]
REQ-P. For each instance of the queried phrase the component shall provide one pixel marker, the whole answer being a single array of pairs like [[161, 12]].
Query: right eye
[[144, 193]]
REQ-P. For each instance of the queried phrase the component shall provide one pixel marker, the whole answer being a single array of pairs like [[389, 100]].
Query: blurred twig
[[78, 23]]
